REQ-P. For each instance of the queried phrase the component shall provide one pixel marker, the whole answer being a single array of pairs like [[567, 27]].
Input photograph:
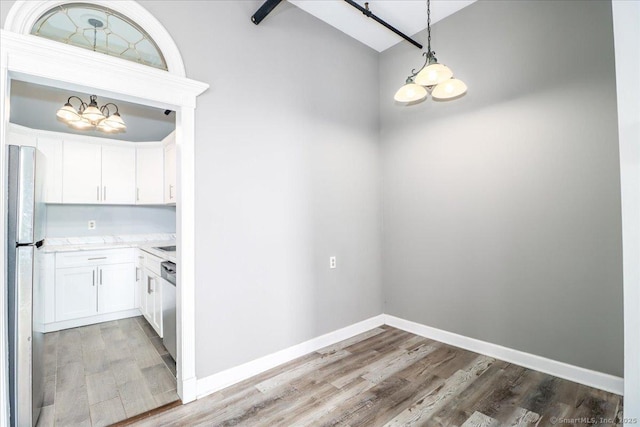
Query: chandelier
[[431, 77], [90, 116]]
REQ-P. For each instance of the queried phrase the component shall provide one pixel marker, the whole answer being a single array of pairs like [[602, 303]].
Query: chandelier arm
[[110, 103], [83, 105]]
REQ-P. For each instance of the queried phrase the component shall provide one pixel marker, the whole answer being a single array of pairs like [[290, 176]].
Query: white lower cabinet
[[116, 291], [150, 286], [76, 293], [151, 301], [92, 287]]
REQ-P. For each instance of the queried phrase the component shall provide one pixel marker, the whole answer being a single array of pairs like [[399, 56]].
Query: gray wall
[[286, 176], [72, 220], [502, 209]]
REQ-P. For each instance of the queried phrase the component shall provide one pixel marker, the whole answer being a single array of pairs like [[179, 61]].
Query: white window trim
[[25, 13], [22, 57]]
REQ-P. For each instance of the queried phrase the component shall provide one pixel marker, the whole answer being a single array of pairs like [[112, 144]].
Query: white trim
[[38, 60], [626, 35], [577, 374], [236, 374], [24, 14]]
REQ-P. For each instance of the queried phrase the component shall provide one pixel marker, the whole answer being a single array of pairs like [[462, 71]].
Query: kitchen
[[105, 294]]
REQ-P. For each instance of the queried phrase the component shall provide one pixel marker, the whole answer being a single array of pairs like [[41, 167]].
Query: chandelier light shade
[[431, 77], [449, 89], [90, 116], [410, 92]]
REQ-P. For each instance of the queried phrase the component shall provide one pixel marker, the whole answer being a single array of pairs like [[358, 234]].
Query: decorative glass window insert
[[99, 29]]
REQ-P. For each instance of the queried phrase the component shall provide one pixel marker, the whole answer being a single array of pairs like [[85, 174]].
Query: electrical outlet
[[332, 262], [92, 225]]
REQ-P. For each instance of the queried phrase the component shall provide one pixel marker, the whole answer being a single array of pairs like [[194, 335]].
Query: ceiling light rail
[[365, 11]]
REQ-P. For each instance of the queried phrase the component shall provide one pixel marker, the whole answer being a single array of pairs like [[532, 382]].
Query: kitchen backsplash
[[123, 238], [73, 220]]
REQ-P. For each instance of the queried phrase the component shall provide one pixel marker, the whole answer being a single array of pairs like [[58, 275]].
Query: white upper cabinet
[[170, 168], [95, 173], [89, 170], [118, 175], [82, 173], [24, 139], [150, 174], [52, 150]]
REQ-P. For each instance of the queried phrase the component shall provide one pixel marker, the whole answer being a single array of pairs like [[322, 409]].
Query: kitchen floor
[[100, 374]]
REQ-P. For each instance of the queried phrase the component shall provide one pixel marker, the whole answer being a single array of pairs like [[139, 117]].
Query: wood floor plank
[[353, 340], [522, 418], [399, 363], [307, 368], [478, 419], [432, 402]]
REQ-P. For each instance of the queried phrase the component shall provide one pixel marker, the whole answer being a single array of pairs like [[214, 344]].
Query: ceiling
[[35, 106], [410, 17]]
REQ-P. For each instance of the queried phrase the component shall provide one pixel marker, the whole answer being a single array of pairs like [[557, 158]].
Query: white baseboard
[[239, 373], [226, 378], [573, 373]]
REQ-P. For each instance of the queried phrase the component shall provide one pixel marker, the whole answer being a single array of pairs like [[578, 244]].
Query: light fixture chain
[[429, 27]]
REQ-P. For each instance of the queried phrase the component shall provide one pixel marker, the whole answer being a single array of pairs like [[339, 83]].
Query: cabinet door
[[150, 175], [146, 297], [170, 173], [116, 287], [81, 174], [52, 150], [48, 280], [118, 175], [76, 293], [153, 301], [157, 306]]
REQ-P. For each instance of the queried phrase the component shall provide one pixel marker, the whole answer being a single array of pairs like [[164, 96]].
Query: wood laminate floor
[[388, 377], [104, 373]]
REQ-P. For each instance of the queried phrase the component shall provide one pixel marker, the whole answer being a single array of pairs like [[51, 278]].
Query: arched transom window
[[99, 29]]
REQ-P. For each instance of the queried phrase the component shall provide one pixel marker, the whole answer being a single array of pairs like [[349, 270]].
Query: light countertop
[[167, 255], [146, 242]]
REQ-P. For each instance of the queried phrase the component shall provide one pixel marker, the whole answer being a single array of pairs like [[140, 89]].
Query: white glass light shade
[[449, 89], [93, 114], [81, 124], [115, 121], [410, 92], [105, 127], [68, 113], [433, 74]]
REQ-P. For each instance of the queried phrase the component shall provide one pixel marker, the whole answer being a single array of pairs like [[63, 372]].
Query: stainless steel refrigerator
[[25, 234]]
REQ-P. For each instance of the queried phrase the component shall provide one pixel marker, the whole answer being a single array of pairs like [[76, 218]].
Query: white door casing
[[23, 57]]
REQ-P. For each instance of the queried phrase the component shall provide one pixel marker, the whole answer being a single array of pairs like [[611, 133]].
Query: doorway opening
[[72, 69]]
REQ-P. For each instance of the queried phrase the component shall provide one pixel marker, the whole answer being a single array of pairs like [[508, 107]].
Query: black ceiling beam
[[264, 10], [368, 14]]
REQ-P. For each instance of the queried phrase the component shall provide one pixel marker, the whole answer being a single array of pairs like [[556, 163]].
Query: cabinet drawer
[[84, 258], [152, 262]]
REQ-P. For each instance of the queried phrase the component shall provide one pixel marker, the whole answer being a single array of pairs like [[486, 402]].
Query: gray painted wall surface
[[286, 176], [72, 220], [502, 209]]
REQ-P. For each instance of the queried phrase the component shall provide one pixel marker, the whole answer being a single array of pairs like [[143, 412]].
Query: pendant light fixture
[[90, 116], [432, 77]]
